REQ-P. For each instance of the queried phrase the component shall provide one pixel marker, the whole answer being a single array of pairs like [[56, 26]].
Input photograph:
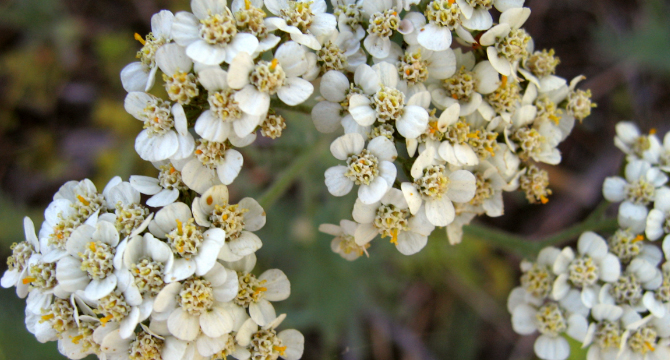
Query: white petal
[[97, 289], [172, 58], [373, 192], [412, 196], [480, 20], [610, 268], [163, 198], [552, 348], [367, 79], [134, 76], [247, 243], [440, 212], [361, 110], [242, 42], [262, 312], [198, 177], [210, 127], [216, 322], [185, 28], [145, 184], [462, 186], [231, 166], [182, 325], [383, 148], [347, 145], [205, 53], [252, 101], [363, 213], [410, 243], [523, 319], [181, 269], [413, 122], [377, 46], [614, 189], [277, 284], [365, 233], [295, 91], [434, 37], [334, 86], [501, 64], [327, 116], [577, 327], [238, 73]]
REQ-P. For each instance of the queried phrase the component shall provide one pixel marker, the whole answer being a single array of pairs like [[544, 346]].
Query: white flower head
[[224, 115], [467, 86], [195, 249], [266, 342], [165, 189], [506, 43], [371, 168], [18, 266], [383, 21], [256, 293], [437, 188], [636, 145], [551, 320], [418, 65], [340, 51], [90, 265], [592, 264], [257, 81], [390, 217], [637, 190], [214, 210], [165, 133], [307, 22], [476, 15], [383, 100], [209, 34], [197, 307], [344, 242], [212, 163], [140, 75]]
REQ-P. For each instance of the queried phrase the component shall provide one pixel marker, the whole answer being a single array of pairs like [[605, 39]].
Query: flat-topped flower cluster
[[109, 276], [464, 106], [612, 295], [464, 120]]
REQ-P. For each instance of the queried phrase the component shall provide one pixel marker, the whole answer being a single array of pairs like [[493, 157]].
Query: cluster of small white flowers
[[613, 295], [172, 278], [109, 276], [463, 125]]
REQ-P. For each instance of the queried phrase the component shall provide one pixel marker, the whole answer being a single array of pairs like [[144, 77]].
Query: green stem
[[603, 225], [501, 239], [288, 176], [528, 248]]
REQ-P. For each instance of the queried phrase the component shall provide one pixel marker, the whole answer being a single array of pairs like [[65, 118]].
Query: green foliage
[[647, 44]]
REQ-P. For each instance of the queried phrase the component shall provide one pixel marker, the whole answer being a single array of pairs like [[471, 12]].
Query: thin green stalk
[[603, 225], [288, 176], [501, 239], [529, 248]]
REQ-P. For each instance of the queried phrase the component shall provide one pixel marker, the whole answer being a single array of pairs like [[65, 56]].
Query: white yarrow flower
[[371, 168]]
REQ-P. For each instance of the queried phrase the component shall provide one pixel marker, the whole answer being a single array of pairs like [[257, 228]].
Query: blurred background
[[62, 118]]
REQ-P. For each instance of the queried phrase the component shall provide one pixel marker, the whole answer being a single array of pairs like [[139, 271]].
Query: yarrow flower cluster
[[611, 294], [434, 136], [109, 276], [172, 277]]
